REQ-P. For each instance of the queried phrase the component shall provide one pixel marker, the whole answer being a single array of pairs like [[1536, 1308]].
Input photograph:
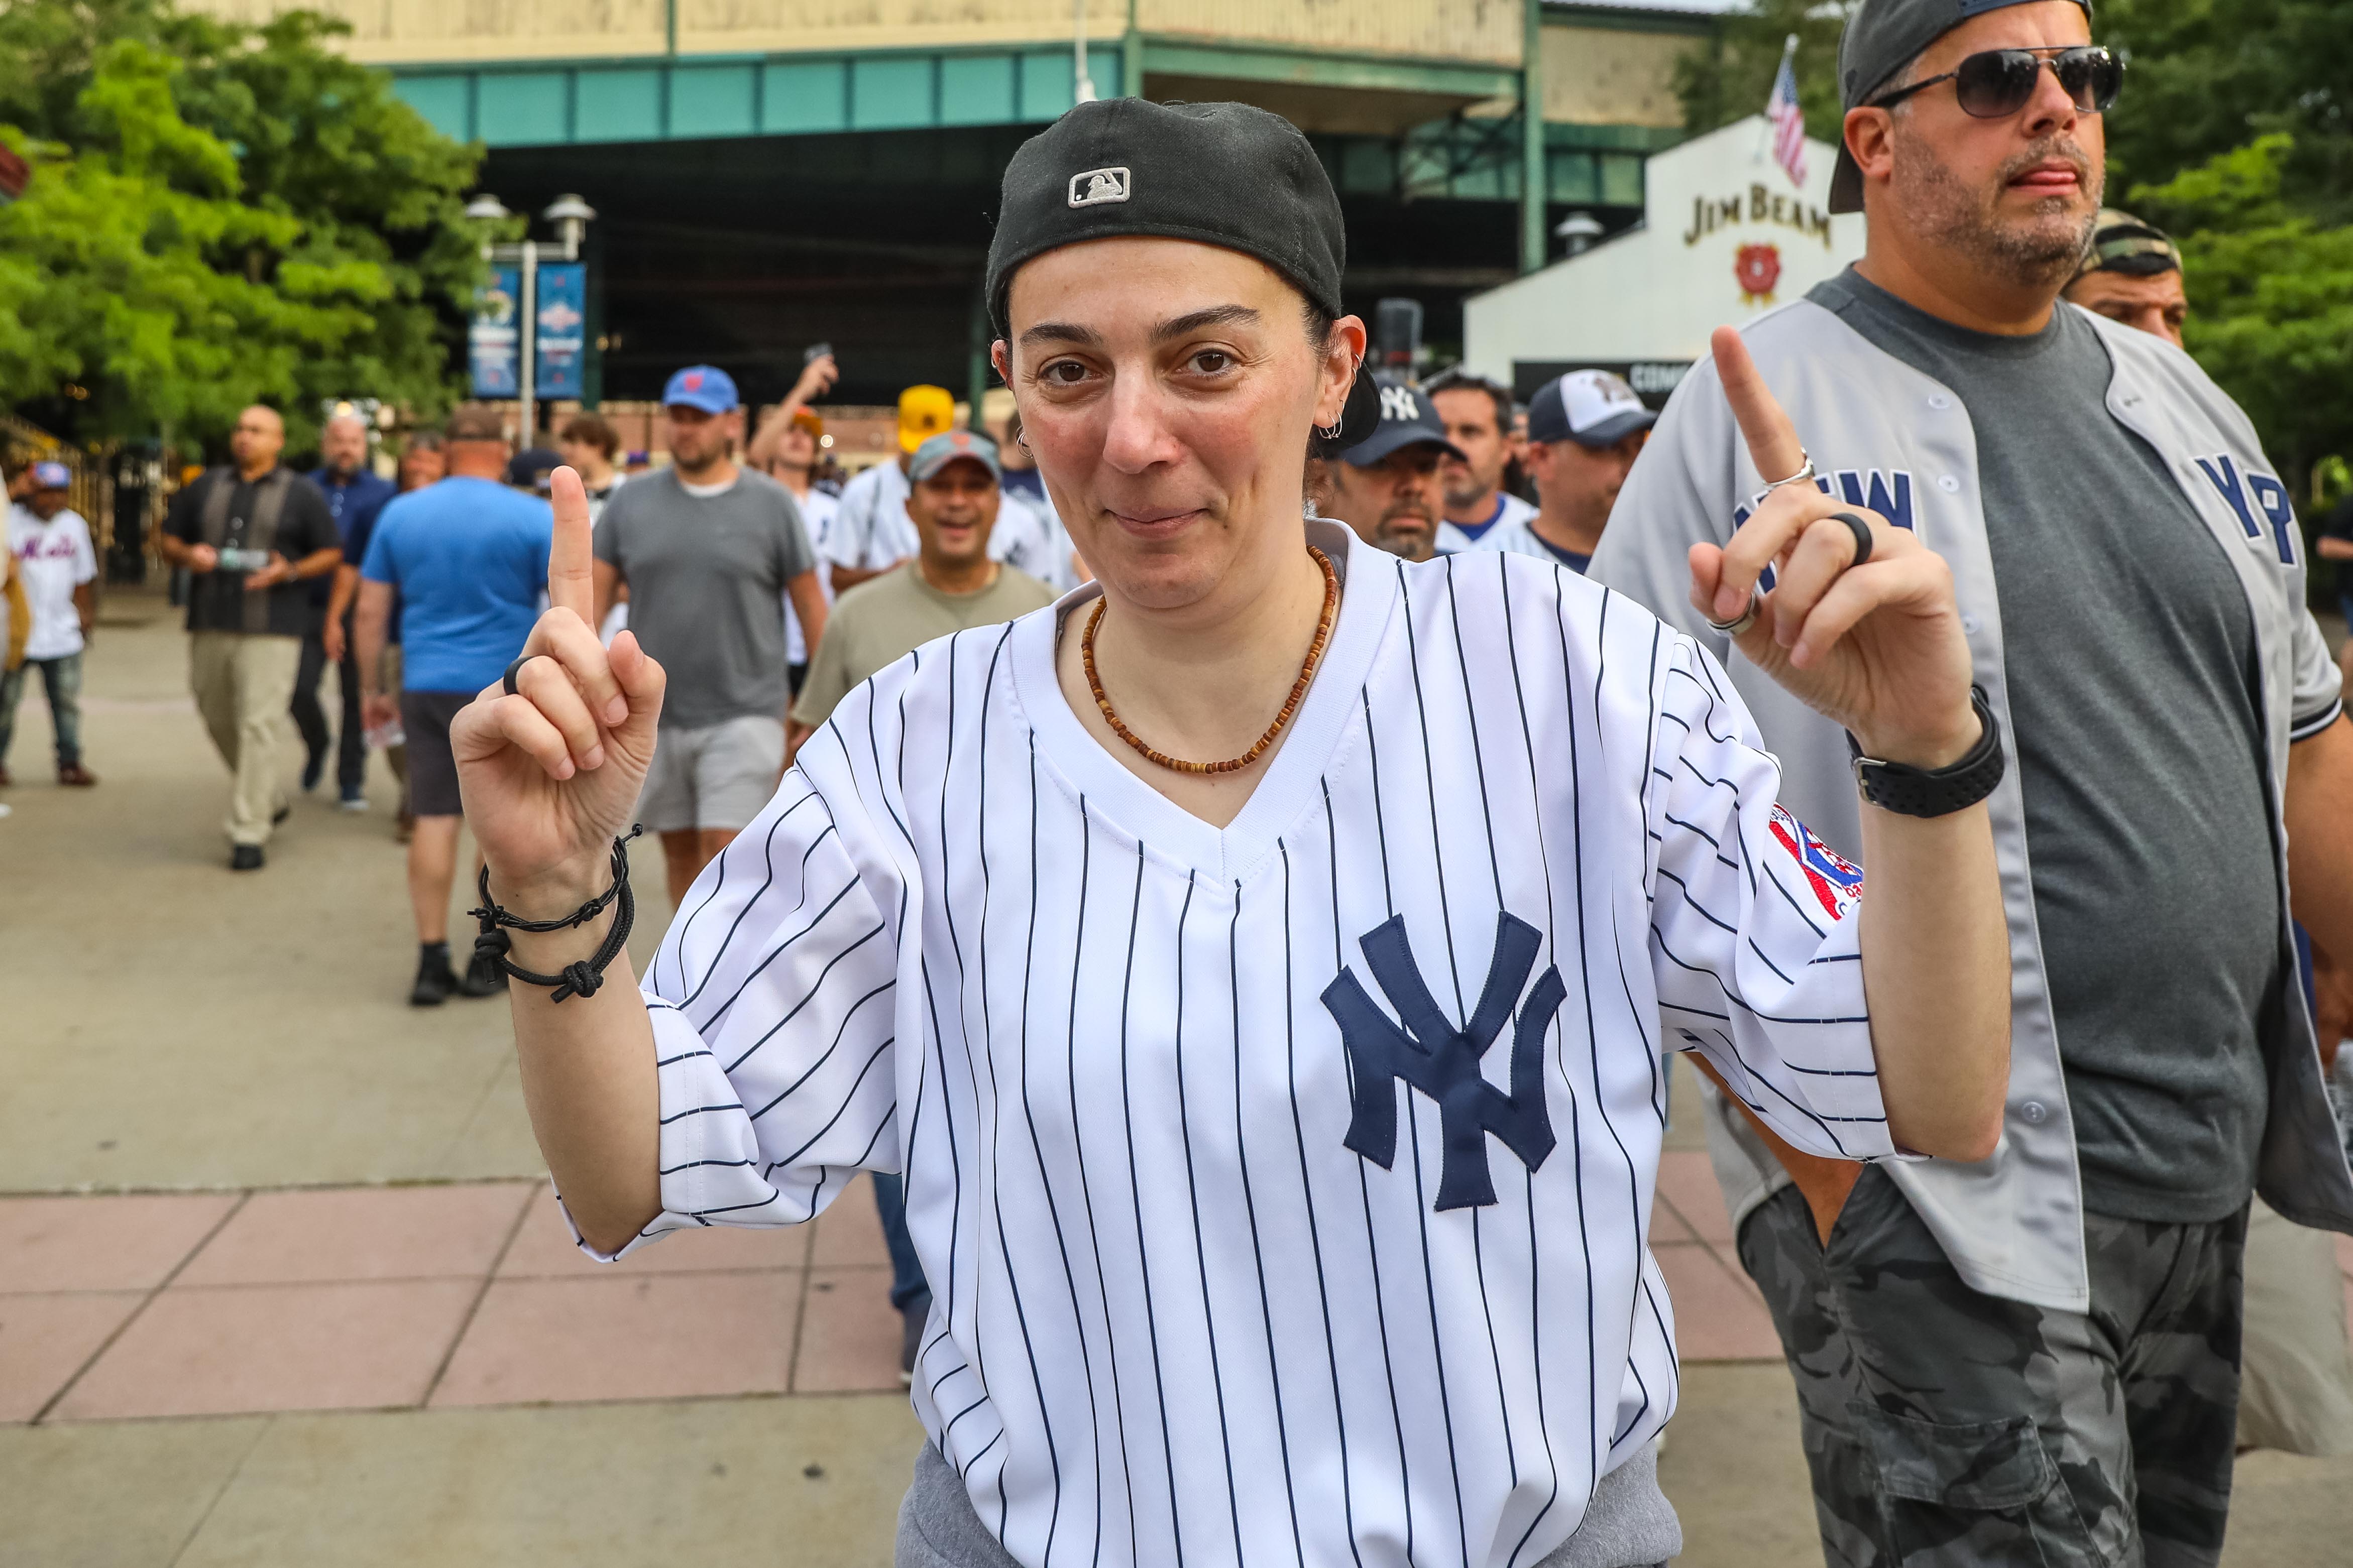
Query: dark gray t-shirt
[[2129, 649], [706, 575]]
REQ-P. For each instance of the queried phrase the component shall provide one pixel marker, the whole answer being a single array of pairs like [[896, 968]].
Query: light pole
[[1082, 86], [571, 216]]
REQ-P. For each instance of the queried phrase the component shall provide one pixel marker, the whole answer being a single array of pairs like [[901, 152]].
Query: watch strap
[[1908, 791]]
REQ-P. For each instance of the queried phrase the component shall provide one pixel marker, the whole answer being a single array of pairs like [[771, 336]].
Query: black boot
[[483, 976], [435, 980]]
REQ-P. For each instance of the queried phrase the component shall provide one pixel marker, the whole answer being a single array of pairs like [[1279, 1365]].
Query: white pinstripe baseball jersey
[[1283, 1189]]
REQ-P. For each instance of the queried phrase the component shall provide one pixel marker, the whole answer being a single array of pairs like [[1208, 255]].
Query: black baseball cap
[[527, 469], [1882, 37], [1406, 418], [1228, 174], [1224, 174], [2123, 243]]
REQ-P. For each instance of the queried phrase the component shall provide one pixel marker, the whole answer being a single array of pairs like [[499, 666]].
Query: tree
[[2270, 291], [221, 214], [1732, 77]]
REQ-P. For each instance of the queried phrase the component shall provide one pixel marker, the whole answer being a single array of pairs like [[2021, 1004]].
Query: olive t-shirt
[[879, 622], [2129, 652]]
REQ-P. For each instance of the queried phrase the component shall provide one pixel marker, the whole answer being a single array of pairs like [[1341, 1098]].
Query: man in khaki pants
[[252, 534]]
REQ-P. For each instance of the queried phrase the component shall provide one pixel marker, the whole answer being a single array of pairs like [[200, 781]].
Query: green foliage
[[220, 214], [2206, 76], [1732, 79], [2270, 291]]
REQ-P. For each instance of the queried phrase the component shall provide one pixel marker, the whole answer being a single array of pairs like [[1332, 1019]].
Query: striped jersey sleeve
[[771, 1005], [1753, 923]]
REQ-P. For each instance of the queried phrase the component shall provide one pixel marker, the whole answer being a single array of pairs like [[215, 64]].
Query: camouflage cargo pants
[[1946, 1429]]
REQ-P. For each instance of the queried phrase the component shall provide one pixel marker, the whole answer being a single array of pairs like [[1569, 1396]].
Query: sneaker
[[483, 976], [245, 857], [314, 767], [355, 799], [74, 776], [435, 981], [284, 811]]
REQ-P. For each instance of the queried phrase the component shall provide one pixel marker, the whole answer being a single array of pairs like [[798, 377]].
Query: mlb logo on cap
[[1097, 187], [703, 387], [1590, 407], [52, 476]]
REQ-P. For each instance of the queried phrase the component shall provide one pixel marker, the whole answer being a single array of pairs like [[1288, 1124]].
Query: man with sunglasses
[[2035, 1357]]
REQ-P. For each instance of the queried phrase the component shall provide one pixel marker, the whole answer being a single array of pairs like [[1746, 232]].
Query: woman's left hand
[[1876, 647]]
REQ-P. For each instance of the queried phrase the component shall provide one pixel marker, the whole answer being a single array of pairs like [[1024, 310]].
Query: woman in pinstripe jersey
[[1212, 1284]]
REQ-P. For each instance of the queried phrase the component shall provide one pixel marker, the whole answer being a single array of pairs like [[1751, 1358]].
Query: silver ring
[[1805, 472], [1739, 623]]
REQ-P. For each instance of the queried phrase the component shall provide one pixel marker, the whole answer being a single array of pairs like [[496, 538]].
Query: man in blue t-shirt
[[469, 558]]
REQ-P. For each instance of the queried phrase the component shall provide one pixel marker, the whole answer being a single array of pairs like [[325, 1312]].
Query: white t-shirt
[[56, 557], [873, 530], [1202, 1269], [818, 513], [1509, 509]]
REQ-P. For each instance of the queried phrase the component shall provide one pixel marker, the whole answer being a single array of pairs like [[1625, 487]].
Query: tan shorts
[[719, 776]]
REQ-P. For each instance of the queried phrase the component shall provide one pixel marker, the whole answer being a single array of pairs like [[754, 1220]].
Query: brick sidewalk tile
[[44, 1340], [653, 1336], [361, 1232], [850, 1337], [125, 1242], [235, 1350], [1718, 1316], [1687, 1180]]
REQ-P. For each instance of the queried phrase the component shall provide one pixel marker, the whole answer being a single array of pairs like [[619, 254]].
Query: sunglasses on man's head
[[1999, 82]]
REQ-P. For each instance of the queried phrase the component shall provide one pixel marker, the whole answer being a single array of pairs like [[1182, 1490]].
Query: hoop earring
[[1329, 432], [1022, 441]]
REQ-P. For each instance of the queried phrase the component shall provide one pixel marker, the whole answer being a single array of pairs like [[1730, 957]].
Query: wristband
[[1908, 791], [580, 979]]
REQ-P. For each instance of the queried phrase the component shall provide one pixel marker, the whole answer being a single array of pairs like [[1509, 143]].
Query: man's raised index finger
[[572, 552], [1773, 444]]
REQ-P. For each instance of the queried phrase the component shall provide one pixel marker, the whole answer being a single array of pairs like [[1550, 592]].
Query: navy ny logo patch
[[1442, 1061]]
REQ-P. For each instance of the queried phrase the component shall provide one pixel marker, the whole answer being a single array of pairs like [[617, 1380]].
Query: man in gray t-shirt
[[2136, 725], [708, 552]]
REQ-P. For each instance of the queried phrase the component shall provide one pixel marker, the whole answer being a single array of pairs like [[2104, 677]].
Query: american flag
[[1789, 119]]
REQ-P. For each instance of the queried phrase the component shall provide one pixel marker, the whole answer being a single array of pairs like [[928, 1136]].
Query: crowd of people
[[2045, 1244]]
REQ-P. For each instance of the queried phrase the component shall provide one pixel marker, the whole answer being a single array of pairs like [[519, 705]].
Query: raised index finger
[[572, 553], [1773, 444]]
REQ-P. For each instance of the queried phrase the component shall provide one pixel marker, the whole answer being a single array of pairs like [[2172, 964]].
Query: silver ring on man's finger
[[1739, 623], [1805, 472], [1862, 532], [509, 680]]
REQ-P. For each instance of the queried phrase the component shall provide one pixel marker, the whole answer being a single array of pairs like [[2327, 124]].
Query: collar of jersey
[[1330, 714]]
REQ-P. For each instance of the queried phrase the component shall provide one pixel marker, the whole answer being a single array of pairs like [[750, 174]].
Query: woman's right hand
[[550, 775]]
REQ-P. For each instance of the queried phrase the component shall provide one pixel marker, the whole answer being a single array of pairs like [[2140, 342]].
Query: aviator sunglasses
[[1997, 83]]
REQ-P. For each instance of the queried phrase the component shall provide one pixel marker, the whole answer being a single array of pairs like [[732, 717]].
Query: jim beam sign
[[1756, 265]]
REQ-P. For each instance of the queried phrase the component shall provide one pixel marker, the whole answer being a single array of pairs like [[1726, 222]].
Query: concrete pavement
[[311, 1306]]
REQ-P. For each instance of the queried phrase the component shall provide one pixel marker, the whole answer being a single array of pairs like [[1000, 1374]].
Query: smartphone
[[816, 351]]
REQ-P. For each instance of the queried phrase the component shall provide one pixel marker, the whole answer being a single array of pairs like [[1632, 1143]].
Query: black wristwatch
[[1908, 791]]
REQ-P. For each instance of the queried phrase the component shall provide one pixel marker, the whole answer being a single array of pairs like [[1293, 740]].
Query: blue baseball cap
[[52, 476], [703, 386], [949, 446]]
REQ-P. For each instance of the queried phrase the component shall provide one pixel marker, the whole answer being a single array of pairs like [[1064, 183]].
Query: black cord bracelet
[[580, 979]]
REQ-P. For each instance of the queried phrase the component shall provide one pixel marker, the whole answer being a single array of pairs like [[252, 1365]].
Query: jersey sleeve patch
[[1837, 882]]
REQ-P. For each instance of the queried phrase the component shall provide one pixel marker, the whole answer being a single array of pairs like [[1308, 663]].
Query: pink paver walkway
[[384, 1298]]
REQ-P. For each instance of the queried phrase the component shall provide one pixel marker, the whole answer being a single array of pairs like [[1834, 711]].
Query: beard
[[1414, 542], [2037, 248]]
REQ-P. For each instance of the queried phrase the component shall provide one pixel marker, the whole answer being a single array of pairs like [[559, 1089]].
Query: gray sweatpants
[[1629, 1523]]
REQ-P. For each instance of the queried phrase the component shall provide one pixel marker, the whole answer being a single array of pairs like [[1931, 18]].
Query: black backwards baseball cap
[[1227, 175], [1882, 37], [1406, 419]]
